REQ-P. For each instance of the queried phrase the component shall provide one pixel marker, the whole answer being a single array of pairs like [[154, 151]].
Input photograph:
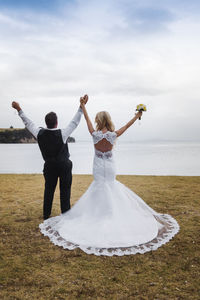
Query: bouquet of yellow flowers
[[141, 107]]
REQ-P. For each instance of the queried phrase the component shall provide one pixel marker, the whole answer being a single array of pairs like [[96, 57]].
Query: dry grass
[[33, 268]]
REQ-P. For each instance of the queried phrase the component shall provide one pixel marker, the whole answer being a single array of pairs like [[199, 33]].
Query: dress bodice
[[99, 136], [108, 135]]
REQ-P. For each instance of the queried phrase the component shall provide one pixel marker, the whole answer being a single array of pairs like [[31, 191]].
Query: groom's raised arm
[[74, 122], [27, 122], [72, 125]]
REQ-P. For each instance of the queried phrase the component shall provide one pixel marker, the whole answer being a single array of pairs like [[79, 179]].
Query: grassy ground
[[31, 267]]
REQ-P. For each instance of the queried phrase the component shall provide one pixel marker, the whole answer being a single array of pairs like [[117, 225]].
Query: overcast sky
[[120, 52]]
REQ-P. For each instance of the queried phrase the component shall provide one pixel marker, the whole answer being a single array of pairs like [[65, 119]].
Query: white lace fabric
[[105, 141], [109, 219], [104, 155], [165, 234], [99, 135]]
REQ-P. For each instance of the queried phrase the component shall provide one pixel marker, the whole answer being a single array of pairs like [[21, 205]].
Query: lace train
[[165, 234]]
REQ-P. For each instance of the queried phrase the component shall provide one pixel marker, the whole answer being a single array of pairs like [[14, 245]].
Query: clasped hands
[[84, 100]]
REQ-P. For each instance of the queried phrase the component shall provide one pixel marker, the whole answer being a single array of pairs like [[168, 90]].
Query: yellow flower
[[141, 107]]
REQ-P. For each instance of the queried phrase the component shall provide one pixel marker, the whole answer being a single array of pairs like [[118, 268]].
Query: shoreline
[[77, 174]]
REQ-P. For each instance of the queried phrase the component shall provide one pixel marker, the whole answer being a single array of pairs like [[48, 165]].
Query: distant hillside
[[15, 136]]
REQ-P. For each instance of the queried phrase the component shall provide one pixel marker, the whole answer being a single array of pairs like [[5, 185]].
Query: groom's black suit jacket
[[52, 146]]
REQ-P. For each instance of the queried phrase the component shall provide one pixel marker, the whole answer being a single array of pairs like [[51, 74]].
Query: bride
[[109, 219]]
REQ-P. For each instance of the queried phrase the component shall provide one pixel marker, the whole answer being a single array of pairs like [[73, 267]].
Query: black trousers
[[52, 171]]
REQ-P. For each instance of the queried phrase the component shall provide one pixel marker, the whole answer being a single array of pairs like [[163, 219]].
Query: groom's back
[[51, 145]]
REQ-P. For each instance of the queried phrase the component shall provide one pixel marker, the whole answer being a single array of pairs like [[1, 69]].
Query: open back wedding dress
[[109, 219]]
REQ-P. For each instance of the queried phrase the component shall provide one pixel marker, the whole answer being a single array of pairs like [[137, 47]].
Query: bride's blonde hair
[[103, 119]]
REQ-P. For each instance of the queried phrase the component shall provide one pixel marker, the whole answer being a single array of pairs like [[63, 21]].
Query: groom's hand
[[16, 106], [82, 101]]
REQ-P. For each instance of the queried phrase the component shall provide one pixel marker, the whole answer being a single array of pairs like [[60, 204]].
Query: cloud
[[120, 52]]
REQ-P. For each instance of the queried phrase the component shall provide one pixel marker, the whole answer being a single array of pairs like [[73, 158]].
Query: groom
[[54, 149]]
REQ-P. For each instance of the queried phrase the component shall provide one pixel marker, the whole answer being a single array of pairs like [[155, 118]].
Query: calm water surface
[[131, 158]]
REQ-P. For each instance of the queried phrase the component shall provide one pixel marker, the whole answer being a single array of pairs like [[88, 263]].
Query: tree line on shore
[[14, 136]]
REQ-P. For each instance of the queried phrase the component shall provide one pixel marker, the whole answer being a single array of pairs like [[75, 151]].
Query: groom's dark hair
[[51, 120]]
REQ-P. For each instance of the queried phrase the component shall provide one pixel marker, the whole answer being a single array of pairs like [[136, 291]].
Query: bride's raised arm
[[83, 100], [125, 127]]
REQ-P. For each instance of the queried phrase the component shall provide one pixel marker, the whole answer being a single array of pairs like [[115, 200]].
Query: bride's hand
[[139, 114], [85, 98]]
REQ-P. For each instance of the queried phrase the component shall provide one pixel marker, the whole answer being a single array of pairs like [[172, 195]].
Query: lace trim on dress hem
[[166, 233]]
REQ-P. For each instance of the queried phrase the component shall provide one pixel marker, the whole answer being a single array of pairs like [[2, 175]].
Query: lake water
[[131, 158]]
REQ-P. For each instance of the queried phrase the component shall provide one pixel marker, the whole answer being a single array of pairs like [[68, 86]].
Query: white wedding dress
[[109, 219]]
